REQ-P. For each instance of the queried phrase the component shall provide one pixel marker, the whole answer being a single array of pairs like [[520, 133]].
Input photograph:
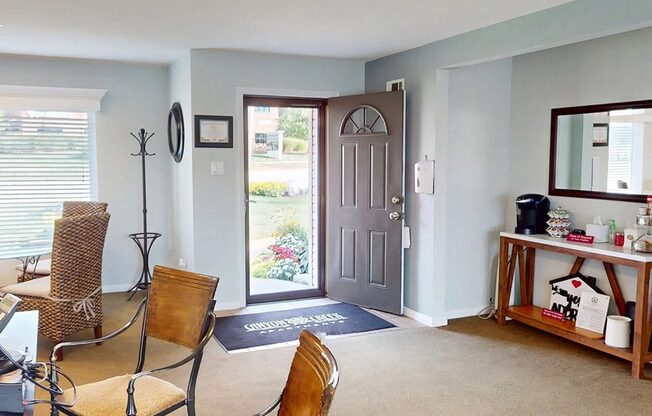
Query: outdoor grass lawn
[[264, 210], [289, 160]]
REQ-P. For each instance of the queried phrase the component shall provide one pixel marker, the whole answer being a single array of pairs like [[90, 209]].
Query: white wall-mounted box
[[424, 177]]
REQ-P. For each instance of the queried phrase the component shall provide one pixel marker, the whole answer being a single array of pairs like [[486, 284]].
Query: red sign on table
[[578, 238], [549, 313]]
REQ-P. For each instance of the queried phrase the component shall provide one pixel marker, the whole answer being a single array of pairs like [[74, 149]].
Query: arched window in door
[[363, 120]]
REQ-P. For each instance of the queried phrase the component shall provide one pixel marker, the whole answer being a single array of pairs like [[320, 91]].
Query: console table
[[520, 250]]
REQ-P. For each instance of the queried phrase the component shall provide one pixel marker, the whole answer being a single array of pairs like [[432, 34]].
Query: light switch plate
[[217, 168]]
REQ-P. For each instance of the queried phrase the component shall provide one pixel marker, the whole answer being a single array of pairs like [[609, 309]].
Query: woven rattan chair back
[[77, 246], [178, 305], [312, 380], [73, 208]]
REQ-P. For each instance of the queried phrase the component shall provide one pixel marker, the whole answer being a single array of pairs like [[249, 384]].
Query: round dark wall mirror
[[176, 132]]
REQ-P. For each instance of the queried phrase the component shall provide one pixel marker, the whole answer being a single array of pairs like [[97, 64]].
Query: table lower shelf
[[531, 315]]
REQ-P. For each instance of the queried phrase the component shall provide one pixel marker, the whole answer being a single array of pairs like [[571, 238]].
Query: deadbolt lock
[[395, 216], [397, 200]]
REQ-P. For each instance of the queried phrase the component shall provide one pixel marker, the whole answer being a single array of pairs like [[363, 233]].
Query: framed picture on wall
[[213, 131], [600, 134]]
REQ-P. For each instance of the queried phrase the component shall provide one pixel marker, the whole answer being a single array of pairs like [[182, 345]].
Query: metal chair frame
[[130, 407]]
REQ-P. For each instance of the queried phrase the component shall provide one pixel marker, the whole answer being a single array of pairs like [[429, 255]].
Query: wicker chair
[[70, 299], [70, 209]]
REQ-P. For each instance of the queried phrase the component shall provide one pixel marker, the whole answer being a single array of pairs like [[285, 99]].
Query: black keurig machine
[[532, 214]]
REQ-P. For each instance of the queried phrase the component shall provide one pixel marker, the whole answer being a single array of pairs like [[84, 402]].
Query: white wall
[[477, 182], [570, 76], [137, 96], [183, 245], [218, 201]]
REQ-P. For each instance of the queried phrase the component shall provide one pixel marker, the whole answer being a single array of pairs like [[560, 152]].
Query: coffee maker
[[532, 214]]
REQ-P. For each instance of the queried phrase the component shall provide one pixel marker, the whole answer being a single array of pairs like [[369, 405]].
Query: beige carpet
[[471, 367]]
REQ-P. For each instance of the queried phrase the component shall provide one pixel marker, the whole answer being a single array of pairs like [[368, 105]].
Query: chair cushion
[[38, 288], [109, 397], [42, 267]]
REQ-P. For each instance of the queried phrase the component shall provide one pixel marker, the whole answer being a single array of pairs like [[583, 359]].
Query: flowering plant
[[283, 253], [284, 269], [292, 242]]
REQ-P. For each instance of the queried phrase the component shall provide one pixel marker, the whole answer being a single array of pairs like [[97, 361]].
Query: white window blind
[[44, 160], [621, 139]]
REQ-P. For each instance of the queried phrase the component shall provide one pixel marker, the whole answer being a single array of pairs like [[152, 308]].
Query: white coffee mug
[[618, 331]]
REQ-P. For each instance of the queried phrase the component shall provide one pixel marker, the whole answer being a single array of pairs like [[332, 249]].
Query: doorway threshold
[[400, 321], [265, 286], [277, 306]]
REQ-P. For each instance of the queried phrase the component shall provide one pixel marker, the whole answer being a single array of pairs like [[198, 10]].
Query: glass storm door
[[283, 161]]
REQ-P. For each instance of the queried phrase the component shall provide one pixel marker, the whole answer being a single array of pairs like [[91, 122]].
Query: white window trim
[[19, 97]]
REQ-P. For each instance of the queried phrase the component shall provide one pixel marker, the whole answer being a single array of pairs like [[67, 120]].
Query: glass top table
[[29, 258]]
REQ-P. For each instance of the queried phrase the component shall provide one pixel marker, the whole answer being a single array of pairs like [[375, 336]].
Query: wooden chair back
[[72, 208], [312, 380], [178, 305], [77, 247]]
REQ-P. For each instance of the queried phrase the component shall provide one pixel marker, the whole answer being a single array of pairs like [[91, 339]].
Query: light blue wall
[[217, 79], [477, 182], [137, 96], [612, 69], [427, 92], [565, 140]]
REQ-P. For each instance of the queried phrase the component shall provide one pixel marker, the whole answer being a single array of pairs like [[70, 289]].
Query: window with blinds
[[44, 160], [621, 139]]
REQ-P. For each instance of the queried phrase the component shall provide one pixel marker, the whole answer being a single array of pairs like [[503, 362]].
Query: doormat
[[267, 328]]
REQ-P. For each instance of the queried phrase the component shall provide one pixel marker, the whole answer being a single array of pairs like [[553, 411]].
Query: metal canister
[[643, 244]]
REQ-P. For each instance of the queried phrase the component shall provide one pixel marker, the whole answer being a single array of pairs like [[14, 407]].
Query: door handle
[[395, 216], [397, 199]]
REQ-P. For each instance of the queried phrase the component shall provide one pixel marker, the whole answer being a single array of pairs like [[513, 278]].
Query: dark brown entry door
[[365, 200]]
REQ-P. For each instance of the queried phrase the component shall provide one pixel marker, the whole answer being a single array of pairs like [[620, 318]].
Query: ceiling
[[160, 31]]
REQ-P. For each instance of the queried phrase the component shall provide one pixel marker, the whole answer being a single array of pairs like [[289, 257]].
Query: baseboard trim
[[437, 322], [228, 306], [122, 287], [464, 313], [424, 319]]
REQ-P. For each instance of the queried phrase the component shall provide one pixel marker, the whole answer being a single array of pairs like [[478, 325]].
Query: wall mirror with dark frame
[[602, 151]]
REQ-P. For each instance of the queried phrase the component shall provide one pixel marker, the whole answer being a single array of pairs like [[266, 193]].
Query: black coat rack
[[146, 239]]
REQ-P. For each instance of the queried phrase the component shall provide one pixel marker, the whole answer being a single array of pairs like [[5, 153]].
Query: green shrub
[[294, 145], [290, 227], [262, 265], [303, 259], [268, 188], [295, 122]]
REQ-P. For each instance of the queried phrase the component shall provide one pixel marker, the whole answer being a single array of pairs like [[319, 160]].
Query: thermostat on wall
[[424, 177]]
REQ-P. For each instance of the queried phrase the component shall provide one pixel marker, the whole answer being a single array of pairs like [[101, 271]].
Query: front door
[[364, 254]]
